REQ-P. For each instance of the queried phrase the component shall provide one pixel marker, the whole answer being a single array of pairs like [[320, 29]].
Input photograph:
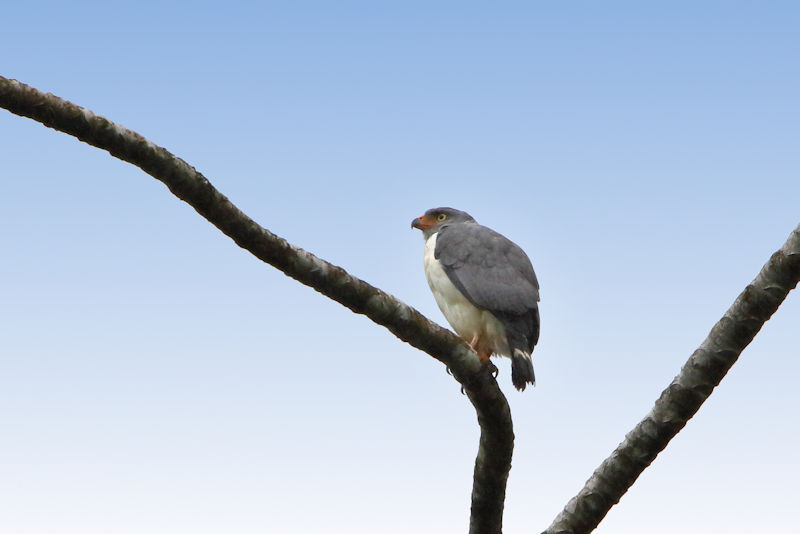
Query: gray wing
[[489, 269]]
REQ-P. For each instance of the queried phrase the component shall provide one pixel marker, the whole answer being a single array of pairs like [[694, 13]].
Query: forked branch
[[677, 404]]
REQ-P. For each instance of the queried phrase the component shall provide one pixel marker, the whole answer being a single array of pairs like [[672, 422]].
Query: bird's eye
[[441, 217]]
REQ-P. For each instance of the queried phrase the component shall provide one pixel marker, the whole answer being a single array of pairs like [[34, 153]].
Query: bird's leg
[[483, 356]]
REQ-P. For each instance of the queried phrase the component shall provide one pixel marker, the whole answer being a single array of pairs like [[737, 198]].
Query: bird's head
[[436, 218]]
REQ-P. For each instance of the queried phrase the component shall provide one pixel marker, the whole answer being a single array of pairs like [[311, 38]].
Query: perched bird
[[485, 286]]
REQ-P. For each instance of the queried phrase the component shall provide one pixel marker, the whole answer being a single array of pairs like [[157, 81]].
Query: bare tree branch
[[493, 461], [680, 401]]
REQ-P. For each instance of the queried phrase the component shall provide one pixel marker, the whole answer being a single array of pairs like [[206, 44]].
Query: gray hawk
[[485, 286]]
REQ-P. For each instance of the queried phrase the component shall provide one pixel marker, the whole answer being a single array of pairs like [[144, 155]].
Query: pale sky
[[156, 378]]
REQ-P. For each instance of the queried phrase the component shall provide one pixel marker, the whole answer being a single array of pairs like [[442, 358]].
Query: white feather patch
[[467, 320]]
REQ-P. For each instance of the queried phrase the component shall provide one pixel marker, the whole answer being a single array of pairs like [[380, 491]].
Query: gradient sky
[[156, 378]]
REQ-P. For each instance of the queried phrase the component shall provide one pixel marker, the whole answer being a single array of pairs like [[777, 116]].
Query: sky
[[156, 378]]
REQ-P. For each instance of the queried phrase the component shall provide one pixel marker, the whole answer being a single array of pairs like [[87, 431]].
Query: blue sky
[[154, 377]]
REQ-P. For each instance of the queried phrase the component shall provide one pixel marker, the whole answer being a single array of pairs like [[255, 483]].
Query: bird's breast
[[467, 320]]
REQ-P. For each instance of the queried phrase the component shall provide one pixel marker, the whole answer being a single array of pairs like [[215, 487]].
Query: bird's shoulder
[[475, 245]]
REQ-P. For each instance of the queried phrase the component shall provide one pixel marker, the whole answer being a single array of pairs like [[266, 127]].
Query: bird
[[485, 286]]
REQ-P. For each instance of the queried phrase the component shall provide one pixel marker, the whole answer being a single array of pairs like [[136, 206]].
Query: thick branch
[[680, 401], [497, 438]]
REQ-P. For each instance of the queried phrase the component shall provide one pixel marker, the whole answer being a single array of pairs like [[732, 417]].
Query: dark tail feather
[[522, 370]]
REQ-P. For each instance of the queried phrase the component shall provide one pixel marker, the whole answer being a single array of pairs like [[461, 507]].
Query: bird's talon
[[492, 369], [449, 372]]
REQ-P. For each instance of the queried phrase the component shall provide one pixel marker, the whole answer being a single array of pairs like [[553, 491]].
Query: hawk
[[485, 286]]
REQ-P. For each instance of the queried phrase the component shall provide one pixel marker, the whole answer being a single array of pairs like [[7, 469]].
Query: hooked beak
[[422, 222]]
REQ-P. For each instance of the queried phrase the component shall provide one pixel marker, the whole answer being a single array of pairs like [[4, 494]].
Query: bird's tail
[[522, 370]]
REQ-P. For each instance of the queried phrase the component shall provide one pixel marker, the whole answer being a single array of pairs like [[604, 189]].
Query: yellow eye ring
[[441, 217]]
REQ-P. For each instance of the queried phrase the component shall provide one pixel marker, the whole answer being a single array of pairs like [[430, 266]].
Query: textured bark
[[680, 401], [493, 461]]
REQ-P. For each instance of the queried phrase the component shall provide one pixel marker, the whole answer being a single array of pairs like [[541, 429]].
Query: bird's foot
[[492, 368]]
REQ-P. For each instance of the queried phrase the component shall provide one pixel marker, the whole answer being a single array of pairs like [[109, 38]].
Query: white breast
[[467, 320]]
